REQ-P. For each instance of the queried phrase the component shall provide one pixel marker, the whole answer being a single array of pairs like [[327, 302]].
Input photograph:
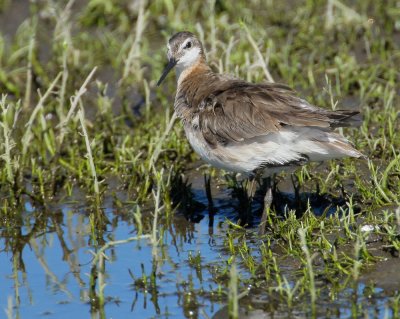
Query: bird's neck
[[191, 83], [199, 67]]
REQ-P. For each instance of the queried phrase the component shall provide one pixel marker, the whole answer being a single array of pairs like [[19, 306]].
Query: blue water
[[56, 285], [57, 260]]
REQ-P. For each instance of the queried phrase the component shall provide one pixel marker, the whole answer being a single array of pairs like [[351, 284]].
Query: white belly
[[274, 150], [210, 155]]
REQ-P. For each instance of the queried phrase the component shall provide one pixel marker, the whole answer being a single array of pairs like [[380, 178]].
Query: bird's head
[[184, 50]]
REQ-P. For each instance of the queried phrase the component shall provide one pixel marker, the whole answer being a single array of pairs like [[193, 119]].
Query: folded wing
[[239, 110]]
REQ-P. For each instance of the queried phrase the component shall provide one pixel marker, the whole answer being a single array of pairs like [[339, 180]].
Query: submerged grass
[[70, 69]]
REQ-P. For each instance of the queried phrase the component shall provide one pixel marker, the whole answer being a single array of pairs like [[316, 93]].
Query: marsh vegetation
[[105, 211]]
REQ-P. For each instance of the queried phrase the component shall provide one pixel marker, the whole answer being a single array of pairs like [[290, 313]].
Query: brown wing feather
[[237, 110]]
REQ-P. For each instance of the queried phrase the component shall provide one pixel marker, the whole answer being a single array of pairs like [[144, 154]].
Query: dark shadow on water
[[184, 200], [319, 204], [231, 201]]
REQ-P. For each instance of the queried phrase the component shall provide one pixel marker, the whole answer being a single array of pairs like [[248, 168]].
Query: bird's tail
[[346, 118]]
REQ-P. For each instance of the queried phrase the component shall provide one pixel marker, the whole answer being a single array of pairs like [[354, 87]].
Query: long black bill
[[172, 62]]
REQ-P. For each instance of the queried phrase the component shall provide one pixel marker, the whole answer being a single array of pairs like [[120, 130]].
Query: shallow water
[[55, 281], [56, 255]]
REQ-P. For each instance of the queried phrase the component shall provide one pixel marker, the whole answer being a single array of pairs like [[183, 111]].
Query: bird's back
[[242, 126]]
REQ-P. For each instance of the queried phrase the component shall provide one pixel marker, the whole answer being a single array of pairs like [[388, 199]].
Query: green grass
[[80, 109]]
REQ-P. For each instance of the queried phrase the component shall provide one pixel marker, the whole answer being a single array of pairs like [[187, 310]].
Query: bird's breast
[[216, 156]]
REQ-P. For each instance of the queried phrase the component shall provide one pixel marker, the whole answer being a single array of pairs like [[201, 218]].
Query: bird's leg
[[267, 205], [207, 183], [295, 183], [296, 186], [251, 189]]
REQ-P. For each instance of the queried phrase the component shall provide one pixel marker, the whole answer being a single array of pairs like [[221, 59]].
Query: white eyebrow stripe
[[184, 43]]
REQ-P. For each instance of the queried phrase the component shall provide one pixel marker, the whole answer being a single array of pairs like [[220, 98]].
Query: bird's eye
[[188, 45]]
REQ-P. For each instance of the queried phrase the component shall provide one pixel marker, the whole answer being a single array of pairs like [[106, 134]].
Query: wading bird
[[254, 129]]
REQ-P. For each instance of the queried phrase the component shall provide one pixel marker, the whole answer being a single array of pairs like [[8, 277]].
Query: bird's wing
[[240, 110]]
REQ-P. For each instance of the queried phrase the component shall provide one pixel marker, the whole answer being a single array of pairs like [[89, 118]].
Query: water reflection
[[48, 269], [53, 262]]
